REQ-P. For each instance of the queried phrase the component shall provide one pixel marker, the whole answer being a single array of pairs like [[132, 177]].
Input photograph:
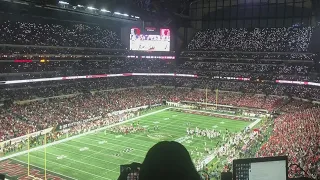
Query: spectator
[[291, 39], [168, 160]]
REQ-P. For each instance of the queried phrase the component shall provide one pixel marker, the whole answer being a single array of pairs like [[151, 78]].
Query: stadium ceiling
[[165, 13], [175, 6]]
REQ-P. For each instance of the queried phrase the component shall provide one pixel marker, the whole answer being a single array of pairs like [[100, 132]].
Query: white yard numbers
[[84, 149], [182, 139], [102, 142], [61, 157]]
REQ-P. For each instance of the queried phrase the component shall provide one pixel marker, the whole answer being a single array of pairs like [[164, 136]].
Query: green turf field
[[93, 156]]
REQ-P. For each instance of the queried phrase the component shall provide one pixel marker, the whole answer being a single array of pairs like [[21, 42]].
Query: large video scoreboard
[[150, 39]]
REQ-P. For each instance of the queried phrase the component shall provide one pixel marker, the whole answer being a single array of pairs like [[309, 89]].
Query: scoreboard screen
[[150, 39]]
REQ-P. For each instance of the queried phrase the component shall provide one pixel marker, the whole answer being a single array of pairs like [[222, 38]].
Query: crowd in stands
[[272, 102], [296, 134], [296, 105], [95, 124], [251, 101], [292, 39], [85, 106], [63, 68], [218, 70], [256, 56], [11, 126], [14, 51], [54, 34], [297, 69], [55, 88]]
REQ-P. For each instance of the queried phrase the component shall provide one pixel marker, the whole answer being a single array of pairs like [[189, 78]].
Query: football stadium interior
[[89, 89]]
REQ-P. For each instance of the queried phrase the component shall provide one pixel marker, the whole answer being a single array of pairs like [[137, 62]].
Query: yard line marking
[[42, 169], [135, 138], [72, 168], [95, 152], [80, 135], [254, 123], [83, 163], [99, 147], [207, 112]]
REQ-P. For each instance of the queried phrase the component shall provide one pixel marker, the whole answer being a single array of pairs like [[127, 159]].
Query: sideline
[[217, 113], [254, 123], [80, 135], [211, 156]]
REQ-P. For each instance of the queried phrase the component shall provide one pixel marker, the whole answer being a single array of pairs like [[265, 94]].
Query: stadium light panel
[[104, 10], [80, 5], [137, 17], [63, 2], [117, 13], [125, 15], [91, 8]]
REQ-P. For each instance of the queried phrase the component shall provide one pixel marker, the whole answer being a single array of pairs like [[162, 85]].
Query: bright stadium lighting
[[104, 10], [137, 17], [91, 8], [125, 15], [63, 2], [80, 5], [117, 13]]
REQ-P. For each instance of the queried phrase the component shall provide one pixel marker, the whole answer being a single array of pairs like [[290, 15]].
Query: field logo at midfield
[[160, 136]]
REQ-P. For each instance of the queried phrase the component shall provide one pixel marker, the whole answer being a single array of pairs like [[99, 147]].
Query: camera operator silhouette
[[167, 160]]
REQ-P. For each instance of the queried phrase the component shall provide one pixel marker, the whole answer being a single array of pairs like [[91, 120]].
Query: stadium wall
[[314, 45], [125, 36], [119, 89]]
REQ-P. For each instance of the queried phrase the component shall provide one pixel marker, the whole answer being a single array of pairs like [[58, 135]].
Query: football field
[[99, 155]]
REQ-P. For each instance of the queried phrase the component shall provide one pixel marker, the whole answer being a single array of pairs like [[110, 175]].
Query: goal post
[[29, 163]]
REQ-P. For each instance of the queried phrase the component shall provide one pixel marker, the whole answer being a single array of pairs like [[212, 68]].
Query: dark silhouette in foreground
[[168, 161]]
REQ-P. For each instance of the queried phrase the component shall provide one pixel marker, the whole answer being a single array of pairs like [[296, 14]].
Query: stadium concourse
[[244, 68]]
